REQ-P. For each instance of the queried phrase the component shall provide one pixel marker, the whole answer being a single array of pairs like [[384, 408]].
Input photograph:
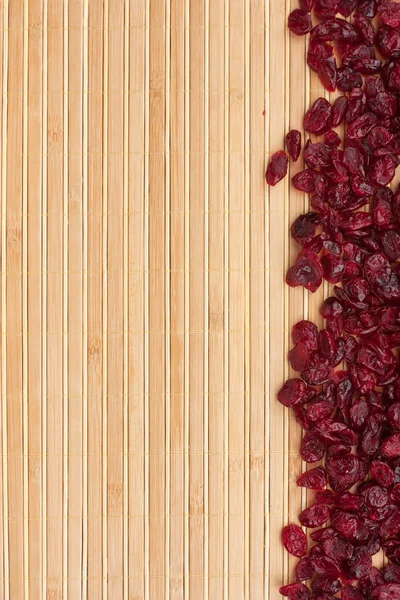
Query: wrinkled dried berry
[[293, 144], [277, 168], [294, 540], [299, 22]]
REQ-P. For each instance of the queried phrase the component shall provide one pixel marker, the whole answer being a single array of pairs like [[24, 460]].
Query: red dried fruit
[[391, 244], [304, 181], [389, 12], [295, 591], [343, 472], [295, 540], [314, 479], [304, 569], [277, 168], [325, 566], [387, 591], [383, 170], [337, 548], [391, 446], [351, 593], [382, 473], [307, 271], [307, 333], [312, 448], [304, 227], [318, 118], [299, 22], [388, 41], [292, 392], [293, 144], [298, 357]]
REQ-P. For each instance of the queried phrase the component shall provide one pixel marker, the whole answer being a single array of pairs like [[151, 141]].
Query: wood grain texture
[[145, 320]]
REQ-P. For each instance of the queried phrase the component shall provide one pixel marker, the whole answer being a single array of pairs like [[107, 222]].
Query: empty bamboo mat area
[[144, 316]]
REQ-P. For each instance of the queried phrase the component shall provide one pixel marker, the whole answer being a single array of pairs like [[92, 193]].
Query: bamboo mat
[[144, 316]]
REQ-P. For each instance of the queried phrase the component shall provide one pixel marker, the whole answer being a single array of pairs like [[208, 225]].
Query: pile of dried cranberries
[[347, 394]]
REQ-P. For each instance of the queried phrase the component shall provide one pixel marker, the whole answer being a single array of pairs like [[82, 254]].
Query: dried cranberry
[[389, 12], [292, 392], [293, 144], [312, 448], [294, 540], [277, 168], [388, 41], [307, 271], [306, 332], [318, 118], [391, 446], [382, 473], [299, 22], [314, 479]]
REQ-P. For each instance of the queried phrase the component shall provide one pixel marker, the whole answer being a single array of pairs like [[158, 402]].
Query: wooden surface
[[145, 320]]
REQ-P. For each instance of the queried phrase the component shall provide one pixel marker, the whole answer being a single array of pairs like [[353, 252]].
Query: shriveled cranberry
[[347, 79], [292, 392], [304, 227], [391, 446], [304, 181], [382, 473], [294, 540], [386, 591], [314, 479], [298, 357], [277, 168], [343, 472], [326, 9], [365, 28], [299, 22], [293, 144], [318, 118], [312, 448], [295, 591], [332, 267], [391, 574], [351, 593], [391, 244], [304, 569], [383, 170], [326, 566], [361, 126], [388, 41], [335, 29], [307, 271], [307, 333], [389, 12]]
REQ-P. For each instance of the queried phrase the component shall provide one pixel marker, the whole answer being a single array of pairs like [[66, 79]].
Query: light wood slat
[[95, 302], [136, 433], [145, 317], [157, 118], [75, 297], [115, 306], [177, 290], [14, 369], [216, 301], [6, 572], [55, 299], [257, 302], [196, 296]]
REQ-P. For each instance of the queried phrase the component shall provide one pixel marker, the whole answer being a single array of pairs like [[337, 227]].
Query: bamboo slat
[[144, 316]]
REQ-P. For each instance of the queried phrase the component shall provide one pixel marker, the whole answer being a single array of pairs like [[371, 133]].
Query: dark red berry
[[277, 168], [294, 540]]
